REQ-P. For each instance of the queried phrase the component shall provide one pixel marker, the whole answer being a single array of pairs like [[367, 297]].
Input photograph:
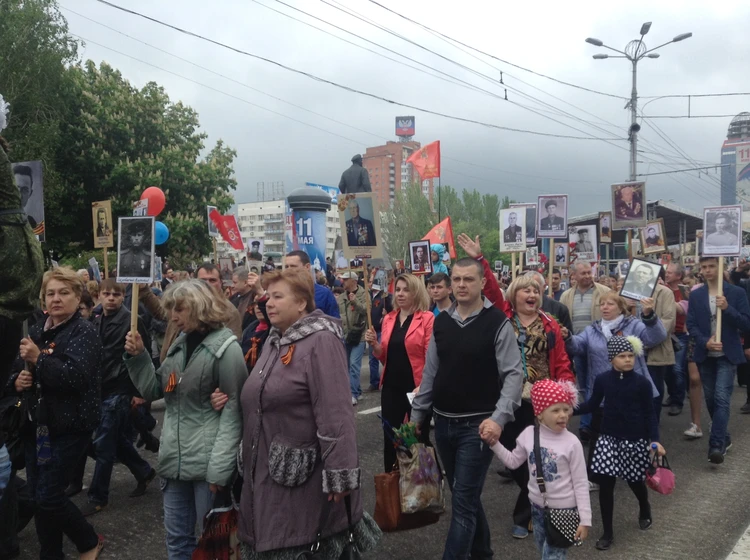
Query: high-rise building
[[389, 172], [735, 160]]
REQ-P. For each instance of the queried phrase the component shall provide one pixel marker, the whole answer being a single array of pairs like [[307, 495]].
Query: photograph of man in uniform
[[102, 227], [652, 238], [629, 205], [641, 280], [359, 231], [28, 177], [420, 257], [135, 258], [721, 236], [513, 233], [561, 256], [256, 250], [554, 222], [583, 245]]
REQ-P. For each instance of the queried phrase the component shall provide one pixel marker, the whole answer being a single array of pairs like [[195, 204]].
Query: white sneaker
[[693, 432], [593, 487], [354, 401]]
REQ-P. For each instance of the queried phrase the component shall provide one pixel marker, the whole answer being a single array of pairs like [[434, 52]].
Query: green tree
[[119, 140], [410, 219]]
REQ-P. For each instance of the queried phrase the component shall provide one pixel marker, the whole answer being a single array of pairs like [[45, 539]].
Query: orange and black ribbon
[[286, 358], [171, 383]]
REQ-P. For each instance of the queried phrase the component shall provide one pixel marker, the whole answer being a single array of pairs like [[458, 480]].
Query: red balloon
[[156, 200]]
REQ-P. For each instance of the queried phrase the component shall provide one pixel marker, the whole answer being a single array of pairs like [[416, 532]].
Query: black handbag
[[350, 552], [560, 525], [13, 419]]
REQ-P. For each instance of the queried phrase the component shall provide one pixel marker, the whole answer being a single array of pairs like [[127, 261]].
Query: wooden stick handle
[[134, 310], [368, 300], [549, 266], [720, 293]]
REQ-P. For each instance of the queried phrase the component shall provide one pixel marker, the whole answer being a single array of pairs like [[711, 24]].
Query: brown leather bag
[[388, 514]]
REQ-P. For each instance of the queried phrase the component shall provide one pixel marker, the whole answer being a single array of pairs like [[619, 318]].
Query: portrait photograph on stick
[[532, 256], [101, 213], [360, 226], [653, 239], [605, 227], [640, 282], [722, 227], [255, 249], [512, 230], [135, 250], [561, 254], [421, 261], [226, 269], [629, 205], [552, 215], [28, 178], [583, 242], [530, 222]]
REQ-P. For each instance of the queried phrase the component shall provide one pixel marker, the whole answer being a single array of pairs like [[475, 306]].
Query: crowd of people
[[253, 375]]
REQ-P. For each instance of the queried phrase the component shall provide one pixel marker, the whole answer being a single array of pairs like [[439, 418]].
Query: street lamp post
[[635, 51]]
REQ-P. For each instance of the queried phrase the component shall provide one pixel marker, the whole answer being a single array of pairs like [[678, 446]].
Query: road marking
[[742, 548], [370, 410]]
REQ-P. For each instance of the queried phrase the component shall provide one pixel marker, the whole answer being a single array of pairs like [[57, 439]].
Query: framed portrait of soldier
[[498, 266], [255, 249], [356, 264], [213, 231], [256, 267], [28, 178], [530, 224], [421, 260], [532, 256], [583, 242], [561, 255], [226, 269], [135, 250], [101, 214], [360, 226], [622, 268], [605, 227], [722, 231], [629, 205], [552, 216], [641, 280], [653, 237], [512, 230]]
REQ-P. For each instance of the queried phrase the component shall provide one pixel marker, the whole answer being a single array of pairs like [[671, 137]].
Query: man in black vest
[[472, 381]]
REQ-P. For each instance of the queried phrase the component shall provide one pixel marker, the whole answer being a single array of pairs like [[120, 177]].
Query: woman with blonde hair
[[198, 444], [92, 287], [402, 349], [61, 357]]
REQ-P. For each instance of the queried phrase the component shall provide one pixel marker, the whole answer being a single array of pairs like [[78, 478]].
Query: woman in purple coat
[[299, 448]]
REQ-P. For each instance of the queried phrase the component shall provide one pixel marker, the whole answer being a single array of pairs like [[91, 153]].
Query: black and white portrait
[[561, 254], [28, 177], [226, 268], [532, 256], [101, 213], [213, 231], [552, 215], [583, 239], [512, 230], [653, 239], [622, 268], [530, 225], [256, 267], [641, 280], [135, 250], [605, 227], [421, 262], [722, 231], [255, 249]]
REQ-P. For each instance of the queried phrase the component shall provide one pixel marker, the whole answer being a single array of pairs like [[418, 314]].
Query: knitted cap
[[546, 393], [618, 345]]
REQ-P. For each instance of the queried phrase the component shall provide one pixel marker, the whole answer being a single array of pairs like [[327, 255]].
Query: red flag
[[426, 160], [228, 228], [443, 233]]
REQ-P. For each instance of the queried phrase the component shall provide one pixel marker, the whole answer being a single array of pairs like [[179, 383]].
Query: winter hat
[[546, 393], [619, 344]]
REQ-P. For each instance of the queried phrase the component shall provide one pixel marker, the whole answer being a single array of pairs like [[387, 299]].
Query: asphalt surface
[[703, 520]]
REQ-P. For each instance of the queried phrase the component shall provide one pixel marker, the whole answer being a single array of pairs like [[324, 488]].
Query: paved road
[[702, 520]]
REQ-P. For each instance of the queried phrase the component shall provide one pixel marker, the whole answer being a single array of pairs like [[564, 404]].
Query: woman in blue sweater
[[628, 430]]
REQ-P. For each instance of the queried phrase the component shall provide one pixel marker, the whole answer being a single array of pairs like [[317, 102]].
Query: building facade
[[735, 160], [389, 172]]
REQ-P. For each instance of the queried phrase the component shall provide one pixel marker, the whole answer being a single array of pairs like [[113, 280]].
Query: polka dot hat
[[546, 393], [619, 344]]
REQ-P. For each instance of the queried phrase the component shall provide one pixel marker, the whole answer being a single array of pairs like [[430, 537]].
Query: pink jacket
[[417, 340]]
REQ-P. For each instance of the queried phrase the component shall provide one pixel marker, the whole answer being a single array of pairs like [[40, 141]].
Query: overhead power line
[[683, 95], [683, 170], [348, 88]]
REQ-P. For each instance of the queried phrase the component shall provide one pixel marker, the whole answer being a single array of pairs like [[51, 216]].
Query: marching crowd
[[253, 377]]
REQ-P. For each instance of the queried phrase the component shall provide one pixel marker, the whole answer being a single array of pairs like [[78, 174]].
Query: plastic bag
[[420, 481], [219, 539]]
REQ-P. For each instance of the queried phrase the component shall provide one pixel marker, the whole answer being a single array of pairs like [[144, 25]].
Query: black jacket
[[112, 331], [68, 373], [355, 179], [559, 311]]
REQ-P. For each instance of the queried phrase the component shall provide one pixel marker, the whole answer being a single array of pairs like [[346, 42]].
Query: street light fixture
[[634, 51]]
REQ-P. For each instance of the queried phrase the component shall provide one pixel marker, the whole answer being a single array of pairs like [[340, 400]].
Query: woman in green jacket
[[199, 445]]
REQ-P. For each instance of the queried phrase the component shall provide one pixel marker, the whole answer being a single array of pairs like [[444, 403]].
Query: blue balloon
[[161, 233]]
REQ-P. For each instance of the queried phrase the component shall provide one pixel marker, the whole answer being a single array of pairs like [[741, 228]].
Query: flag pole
[[439, 207]]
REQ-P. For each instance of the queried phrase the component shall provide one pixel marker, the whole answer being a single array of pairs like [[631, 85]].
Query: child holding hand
[[629, 428], [562, 461]]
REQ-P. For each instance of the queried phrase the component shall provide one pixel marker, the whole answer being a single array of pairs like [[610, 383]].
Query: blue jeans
[[582, 377], [466, 459], [5, 469], [186, 502], [658, 374], [56, 514], [677, 381], [717, 377], [112, 441], [354, 353], [540, 538], [374, 368]]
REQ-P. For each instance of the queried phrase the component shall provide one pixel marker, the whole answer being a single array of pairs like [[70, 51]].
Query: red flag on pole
[[426, 160], [443, 233], [228, 228]]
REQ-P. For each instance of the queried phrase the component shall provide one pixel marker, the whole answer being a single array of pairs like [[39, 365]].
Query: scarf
[[609, 326], [314, 322]]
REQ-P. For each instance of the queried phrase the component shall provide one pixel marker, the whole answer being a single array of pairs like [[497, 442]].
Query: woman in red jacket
[[402, 349], [543, 356]]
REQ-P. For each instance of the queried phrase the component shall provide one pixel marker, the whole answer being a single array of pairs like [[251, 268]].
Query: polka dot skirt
[[621, 458]]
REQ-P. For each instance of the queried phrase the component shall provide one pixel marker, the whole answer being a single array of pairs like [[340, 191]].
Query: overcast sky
[[545, 36]]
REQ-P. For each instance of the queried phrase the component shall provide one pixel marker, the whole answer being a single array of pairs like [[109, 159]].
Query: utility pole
[[634, 51]]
